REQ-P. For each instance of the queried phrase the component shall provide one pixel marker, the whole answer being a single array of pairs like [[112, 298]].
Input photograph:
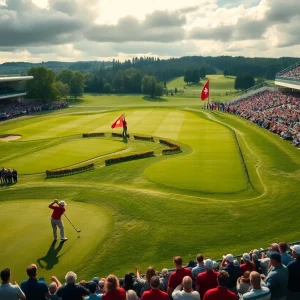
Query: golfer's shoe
[[64, 239]]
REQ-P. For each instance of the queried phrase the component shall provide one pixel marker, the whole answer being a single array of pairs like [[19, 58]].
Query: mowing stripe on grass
[[170, 127]]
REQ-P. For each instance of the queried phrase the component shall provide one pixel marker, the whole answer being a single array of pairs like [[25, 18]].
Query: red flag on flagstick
[[205, 91], [119, 122]]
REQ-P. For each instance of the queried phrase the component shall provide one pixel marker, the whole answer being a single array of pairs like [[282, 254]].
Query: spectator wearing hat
[[56, 221], [185, 290], [257, 292], [165, 279], [113, 290], [200, 266], [233, 271], [243, 283], [285, 257], [155, 293], [248, 265], [8, 290], [294, 275], [96, 280], [277, 279], [208, 279], [220, 292], [92, 289], [32, 288], [71, 290], [216, 266], [177, 276]]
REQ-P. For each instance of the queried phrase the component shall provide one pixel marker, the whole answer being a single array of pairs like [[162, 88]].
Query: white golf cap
[[63, 203], [296, 248]]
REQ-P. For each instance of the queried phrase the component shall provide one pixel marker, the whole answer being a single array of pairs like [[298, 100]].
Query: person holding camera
[[58, 211]]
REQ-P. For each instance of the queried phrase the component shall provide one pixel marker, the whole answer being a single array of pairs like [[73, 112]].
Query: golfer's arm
[[51, 204]]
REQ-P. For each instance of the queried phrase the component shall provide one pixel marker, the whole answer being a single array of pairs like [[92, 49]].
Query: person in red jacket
[[58, 211], [113, 290], [177, 276], [155, 293], [220, 292], [207, 280]]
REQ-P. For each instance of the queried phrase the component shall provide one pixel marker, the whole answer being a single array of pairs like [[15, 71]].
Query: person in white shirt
[[258, 292], [187, 293]]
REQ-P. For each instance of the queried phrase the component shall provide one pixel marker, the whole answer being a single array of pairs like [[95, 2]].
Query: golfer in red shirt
[[56, 221]]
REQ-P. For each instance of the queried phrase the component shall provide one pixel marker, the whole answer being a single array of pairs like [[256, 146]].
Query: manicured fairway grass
[[64, 154], [147, 211]]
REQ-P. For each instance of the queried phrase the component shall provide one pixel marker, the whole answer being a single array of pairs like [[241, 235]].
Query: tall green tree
[[42, 87], [77, 84], [149, 85], [63, 89]]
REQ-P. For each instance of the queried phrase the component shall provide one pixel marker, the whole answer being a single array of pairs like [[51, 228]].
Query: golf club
[[71, 223]]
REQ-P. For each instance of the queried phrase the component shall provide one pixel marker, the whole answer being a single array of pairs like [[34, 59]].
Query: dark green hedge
[[66, 172], [121, 159]]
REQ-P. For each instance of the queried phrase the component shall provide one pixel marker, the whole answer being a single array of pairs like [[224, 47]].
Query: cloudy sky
[[73, 30]]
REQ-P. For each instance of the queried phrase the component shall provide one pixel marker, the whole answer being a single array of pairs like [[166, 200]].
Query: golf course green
[[232, 188]]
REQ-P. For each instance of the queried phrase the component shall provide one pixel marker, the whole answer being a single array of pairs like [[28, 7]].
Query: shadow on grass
[[155, 99]]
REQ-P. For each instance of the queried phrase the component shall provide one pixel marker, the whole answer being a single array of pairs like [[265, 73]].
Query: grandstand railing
[[288, 69], [287, 79]]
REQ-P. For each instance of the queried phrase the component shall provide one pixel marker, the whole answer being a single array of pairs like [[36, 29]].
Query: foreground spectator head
[[177, 261], [200, 259], [223, 278], [187, 283], [5, 275], [155, 282], [71, 277], [296, 251], [246, 257], [52, 288], [275, 259], [96, 280], [92, 287], [111, 283], [283, 247], [255, 280], [274, 247], [150, 272], [31, 271], [83, 283], [164, 272], [236, 263], [131, 295], [208, 263]]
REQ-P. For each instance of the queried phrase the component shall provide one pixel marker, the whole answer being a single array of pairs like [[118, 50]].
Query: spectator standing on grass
[[257, 292], [10, 291], [294, 275], [32, 288], [277, 279], [155, 293], [124, 127], [200, 266], [232, 270], [71, 291], [113, 290], [207, 280], [187, 293], [285, 257], [177, 276], [221, 292]]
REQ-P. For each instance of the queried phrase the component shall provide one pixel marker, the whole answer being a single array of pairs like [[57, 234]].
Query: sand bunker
[[8, 138]]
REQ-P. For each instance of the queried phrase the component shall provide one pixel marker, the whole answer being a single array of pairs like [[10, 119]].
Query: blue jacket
[[277, 281]]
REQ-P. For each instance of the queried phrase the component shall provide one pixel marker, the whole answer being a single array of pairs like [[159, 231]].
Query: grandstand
[[13, 87], [289, 77]]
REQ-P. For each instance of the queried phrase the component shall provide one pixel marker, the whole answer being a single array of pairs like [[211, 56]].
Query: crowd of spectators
[[274, 111], [8, 176], [273, 274], [15, 109], [294, 73]]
